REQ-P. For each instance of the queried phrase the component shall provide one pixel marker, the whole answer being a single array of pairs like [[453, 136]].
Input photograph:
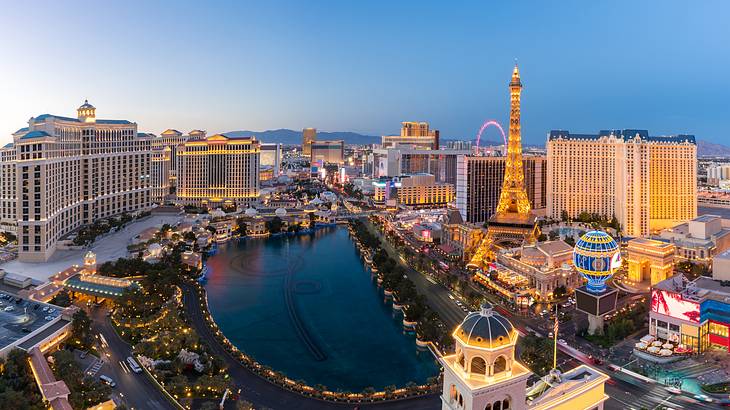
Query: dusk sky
[[366, 66]]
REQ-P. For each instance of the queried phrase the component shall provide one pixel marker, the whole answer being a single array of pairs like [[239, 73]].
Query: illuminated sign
[[674, 305], [616, 261]]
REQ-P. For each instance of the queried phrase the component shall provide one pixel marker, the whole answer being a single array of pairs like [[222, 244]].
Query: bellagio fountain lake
[[307, 306]]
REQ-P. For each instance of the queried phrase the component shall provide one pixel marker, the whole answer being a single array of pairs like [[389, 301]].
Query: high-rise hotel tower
[[218, 170], [69, 172], [647, 183]]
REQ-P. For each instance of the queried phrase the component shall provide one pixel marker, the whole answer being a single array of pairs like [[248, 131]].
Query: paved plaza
[[108, 247]]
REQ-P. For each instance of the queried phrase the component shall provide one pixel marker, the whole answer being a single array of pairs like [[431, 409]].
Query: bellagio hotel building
[[61, 173], [648, 183]]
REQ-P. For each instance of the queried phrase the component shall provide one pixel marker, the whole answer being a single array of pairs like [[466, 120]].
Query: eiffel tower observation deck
[[514, 222]]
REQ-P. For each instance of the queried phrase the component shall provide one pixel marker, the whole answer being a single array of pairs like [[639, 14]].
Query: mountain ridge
[[292, 137]]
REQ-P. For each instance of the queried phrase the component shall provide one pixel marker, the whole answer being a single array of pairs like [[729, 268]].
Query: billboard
[[674, 305]]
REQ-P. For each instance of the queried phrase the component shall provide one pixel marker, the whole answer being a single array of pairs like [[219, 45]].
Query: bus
[[133, 365]]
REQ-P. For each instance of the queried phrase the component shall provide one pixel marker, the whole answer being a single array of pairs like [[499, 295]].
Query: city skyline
[[358, 67]]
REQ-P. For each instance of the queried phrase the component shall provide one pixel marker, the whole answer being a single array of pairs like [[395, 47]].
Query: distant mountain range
[[292, 137], [710, 149]]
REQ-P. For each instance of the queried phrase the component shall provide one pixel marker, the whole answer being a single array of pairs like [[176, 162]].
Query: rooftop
[[44, 117], [626, 135], [24, 315]]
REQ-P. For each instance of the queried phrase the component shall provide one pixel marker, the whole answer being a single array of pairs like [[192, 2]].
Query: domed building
[[484, 360], [483, 374]]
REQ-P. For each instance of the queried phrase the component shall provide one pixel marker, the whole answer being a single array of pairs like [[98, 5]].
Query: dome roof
[[486, 328], [250, 212], [86, 105], [596, 241]]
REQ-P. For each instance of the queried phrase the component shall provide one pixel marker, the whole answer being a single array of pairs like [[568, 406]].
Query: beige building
[[479, 185], [329, 152], [164, 160], [309, 135], [70, 172], [414, 135], [650, 259], [700, 239], [648, 183], [416, 191], [8, 190], [546, 265], [219, 170], [161, 164]]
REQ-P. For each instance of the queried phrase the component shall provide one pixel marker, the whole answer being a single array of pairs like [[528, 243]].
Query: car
[[9, 309], [107, 380], [550, 335], [703, 397], [49, 318], [51, 310], [133, 365], [45, 308], [562, 341], [83, 354], [673, 390]]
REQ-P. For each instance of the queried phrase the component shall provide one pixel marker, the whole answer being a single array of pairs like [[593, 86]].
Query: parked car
[[108, 380]]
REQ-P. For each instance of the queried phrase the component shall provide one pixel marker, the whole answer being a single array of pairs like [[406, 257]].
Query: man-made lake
[[306, 306]]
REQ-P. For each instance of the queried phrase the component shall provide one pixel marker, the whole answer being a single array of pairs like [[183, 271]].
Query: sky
[[366, 66]]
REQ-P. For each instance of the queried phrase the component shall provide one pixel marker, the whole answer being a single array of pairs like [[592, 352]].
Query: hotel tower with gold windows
[[218, 170], [70, 172], [647, 183]]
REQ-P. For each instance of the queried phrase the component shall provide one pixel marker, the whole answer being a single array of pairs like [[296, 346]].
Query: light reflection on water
[[306, 306]]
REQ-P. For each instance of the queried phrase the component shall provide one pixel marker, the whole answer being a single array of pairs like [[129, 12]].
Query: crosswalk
[[94, 367]]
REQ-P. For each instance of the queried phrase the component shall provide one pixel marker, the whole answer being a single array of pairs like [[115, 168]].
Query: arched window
[[497, 405], [488, 406], [461, 400], [452, 393], [500, 365], [505, 404], [478, 366], [460, 360]]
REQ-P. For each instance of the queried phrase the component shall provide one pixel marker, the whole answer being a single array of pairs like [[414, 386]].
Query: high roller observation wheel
[[487, 124]]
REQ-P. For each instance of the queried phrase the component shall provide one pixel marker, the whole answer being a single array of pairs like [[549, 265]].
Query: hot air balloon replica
[[596, 256]]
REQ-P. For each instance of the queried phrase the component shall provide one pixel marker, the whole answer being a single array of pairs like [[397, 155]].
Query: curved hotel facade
[[70, 172], [218, 170]]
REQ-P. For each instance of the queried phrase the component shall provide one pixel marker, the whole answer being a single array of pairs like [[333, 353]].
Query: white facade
[[73, 171]]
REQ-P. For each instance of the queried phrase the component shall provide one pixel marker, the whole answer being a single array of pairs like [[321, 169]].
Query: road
[[135, 390], [437, 296], [264, 394], [624, 391]]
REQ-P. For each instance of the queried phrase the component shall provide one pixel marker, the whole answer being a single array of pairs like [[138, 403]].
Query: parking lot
[[19, 317]]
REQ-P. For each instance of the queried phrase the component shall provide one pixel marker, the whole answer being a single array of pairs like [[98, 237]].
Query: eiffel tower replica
[[513, 223]]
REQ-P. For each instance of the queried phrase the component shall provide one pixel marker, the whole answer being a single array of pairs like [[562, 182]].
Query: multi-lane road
[[134, 390], [624, 391]]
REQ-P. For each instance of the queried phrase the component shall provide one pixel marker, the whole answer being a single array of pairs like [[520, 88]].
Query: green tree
[[81, 330], [274, 225], [564, 215], [62, 298], [86, 391]]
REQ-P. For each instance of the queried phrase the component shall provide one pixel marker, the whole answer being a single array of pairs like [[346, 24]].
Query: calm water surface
[[306, 306]]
